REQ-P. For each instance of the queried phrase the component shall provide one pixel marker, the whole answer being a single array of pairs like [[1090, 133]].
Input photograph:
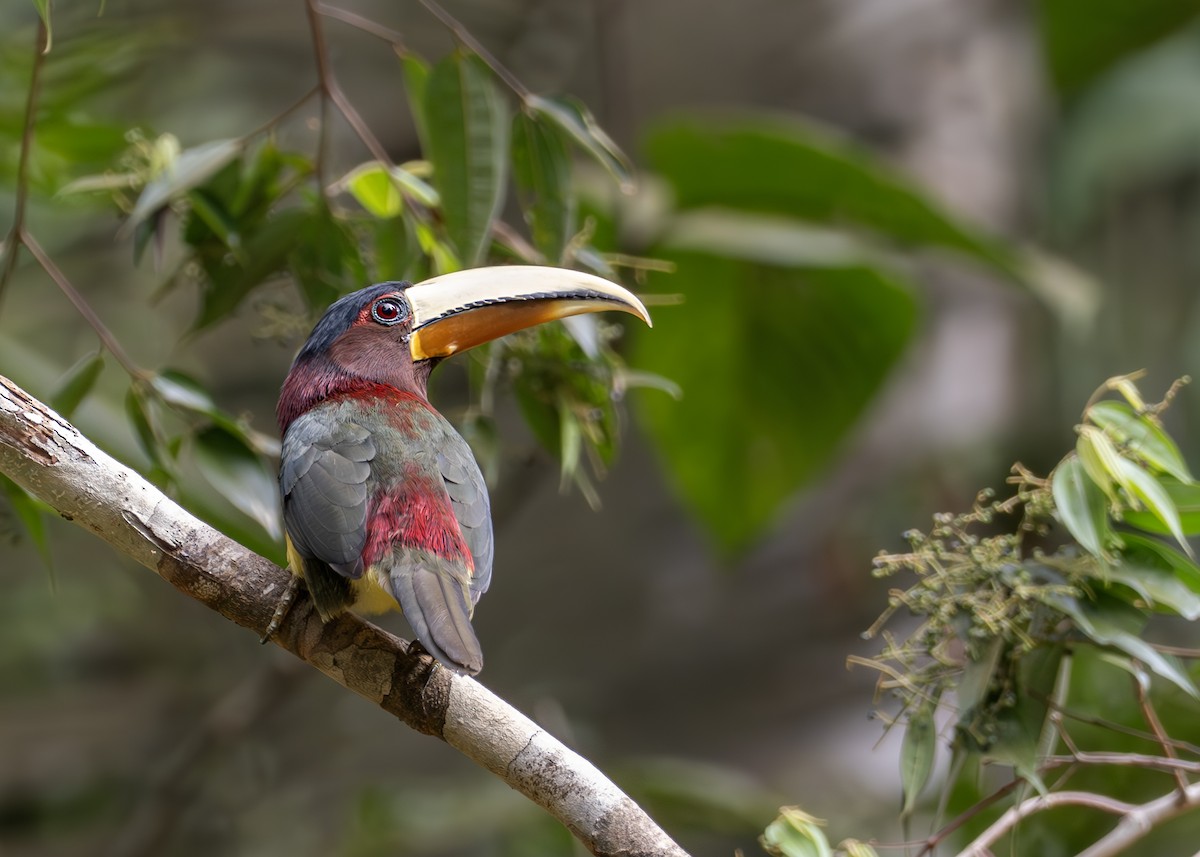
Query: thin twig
[[1140, 820], [979, 806], [364, 132], [1125, 760], [332, 95], [980, 845], [464, 36], [275, 120], [12, 245], [1160, 734], [365, 24], [324, 84], [1122, 729], [81, 306], [1177, 651]]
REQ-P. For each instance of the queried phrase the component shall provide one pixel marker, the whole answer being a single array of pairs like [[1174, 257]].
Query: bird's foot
[[282, 607]]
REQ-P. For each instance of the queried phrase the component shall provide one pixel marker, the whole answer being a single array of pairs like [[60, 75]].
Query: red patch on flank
[[416, 515]]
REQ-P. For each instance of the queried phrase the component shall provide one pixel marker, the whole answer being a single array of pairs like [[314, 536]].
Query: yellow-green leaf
[[1142, 436], [374, 189], [1094, 466], [795, 833]]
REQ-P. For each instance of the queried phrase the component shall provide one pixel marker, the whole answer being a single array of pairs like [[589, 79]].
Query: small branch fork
[[48, 457], [1136, 820]]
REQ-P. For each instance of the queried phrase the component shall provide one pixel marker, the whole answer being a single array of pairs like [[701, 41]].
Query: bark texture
[[49, 457]]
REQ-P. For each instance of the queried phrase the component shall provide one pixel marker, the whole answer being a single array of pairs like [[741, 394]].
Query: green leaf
[[1142, 436], [793, 168], [184, 393], [210, 211], [416, 80], [191, 169], [468, 145], [265, 253], [1110, 622], [795, 833], [542, 174], [77, 383], [1084, 38], [916, 756], [976, 680], [241, 476], [1145, 487], [776, 365], [1187, 502], [1015, 734], [30, 511], [181, 391], [144, 421], [1081, 506], [855, 848], [1140, 551], [1146, 572], [415, 186], [770, 239], [1136, 126], [574, 119], [325, 261]]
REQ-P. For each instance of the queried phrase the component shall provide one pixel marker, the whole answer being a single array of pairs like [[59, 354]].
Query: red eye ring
[[387, 311]]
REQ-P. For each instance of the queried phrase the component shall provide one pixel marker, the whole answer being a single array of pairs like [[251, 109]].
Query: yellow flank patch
[[295, 564], [370, 594]]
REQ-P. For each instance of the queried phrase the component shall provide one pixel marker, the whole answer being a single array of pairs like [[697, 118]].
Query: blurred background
[[907, 239]]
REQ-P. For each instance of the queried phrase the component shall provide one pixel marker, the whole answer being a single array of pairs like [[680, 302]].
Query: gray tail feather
[[330, 591], [435, 603]]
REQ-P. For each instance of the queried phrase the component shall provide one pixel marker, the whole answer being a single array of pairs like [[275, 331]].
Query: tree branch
[[1136, 820], [50, 458]]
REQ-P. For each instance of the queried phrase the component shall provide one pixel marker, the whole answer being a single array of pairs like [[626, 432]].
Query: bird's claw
[[282, 608]]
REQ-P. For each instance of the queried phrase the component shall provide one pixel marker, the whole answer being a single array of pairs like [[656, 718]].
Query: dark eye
[[387, 311]]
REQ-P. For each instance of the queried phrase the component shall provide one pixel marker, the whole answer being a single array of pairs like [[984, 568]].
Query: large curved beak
[[454, 312]]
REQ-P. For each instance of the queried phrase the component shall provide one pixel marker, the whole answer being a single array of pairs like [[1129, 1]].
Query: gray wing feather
[[323, 479], [469, 500]]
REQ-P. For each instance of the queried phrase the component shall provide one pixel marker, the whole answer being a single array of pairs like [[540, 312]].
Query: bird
[[384, 504]]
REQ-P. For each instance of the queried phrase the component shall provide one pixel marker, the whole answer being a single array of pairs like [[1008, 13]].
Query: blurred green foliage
[[1085, 38], [793, 254], [785, 332]]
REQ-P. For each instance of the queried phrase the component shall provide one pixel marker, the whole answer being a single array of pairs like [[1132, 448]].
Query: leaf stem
[[81, 306], [464, 36], [11, 248], [365, 24], [324, 86], [282, 115], [1151, 718], [332, 94]]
